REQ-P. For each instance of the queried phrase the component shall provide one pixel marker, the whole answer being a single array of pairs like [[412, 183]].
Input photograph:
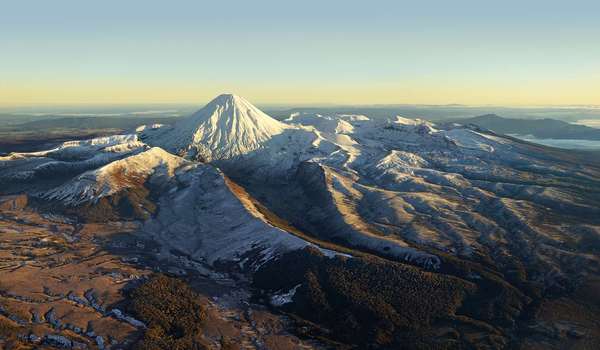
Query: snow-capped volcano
[[226, 127]]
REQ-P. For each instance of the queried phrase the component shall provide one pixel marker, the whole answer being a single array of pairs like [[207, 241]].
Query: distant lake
[[592, 123], [561, 143]]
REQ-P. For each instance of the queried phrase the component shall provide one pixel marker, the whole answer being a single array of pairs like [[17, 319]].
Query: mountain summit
[[226, 127]]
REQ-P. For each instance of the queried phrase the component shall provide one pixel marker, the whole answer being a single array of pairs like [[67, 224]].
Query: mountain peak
[[227, 97], [226, 127], [229, 103]]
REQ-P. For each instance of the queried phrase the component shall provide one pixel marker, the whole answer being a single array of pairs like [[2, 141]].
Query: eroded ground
[[64, 285]]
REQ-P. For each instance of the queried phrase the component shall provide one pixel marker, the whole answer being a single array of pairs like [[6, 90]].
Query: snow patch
[[284, 298]]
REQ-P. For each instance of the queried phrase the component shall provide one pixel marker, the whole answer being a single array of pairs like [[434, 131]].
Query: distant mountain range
[[540, 128], [83, 123]]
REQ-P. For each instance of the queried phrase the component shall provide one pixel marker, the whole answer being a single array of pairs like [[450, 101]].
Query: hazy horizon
[[202, 102], [537, 53], [583, 115]]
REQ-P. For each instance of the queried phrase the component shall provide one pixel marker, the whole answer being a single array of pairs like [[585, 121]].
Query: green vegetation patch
[[366, 301]]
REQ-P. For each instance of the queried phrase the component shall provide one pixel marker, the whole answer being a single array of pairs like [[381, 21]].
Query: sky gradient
[[300, 52]]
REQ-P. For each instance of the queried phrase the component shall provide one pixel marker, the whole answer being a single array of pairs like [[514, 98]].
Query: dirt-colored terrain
[[64, 285]]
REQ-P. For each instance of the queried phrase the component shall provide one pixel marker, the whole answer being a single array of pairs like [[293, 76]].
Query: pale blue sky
[[473, 52]]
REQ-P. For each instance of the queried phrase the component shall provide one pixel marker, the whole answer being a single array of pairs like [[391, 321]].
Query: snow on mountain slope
[[339, 202], [401, 159], [84, 148], [457, 189], [226, 127], [409, 121], [325, 124], [375, 134], [353, 117], [116, 176], [474, 140], [235, 135], [68, 159], [204, 218], [184, 204]]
